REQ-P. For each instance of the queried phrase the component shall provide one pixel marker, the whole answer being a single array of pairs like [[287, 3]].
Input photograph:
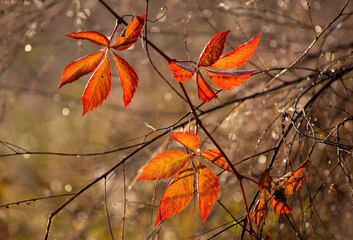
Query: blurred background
[[43, 136]]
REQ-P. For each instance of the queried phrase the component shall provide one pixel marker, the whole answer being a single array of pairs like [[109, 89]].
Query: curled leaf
[[81, 67], [92, 36], [167, 164], [130, 34], [260, 210], [265, 180], [279, 204], [205, 92], [187, 139], [178, 194], [98, 87]]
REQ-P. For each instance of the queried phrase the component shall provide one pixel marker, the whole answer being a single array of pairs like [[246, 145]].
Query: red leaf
[[81, 67], [265, 180], [238, 56], [98, 87], [260, 210], [128, 78], [130, 34], [92, 36], [291, 181], [279, 205], [214, 156], [229, 80], [187, 139], [204, 90], [213, 49], [165, 165], [180, 73], [178, 194], [208, 189]]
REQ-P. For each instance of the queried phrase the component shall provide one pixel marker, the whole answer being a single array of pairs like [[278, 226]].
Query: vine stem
[[238, 175]]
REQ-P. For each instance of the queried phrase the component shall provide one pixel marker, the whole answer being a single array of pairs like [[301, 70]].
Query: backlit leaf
[[238, 56], [214, 156], [180, 73], [165, 165], [292, 181], [92, 36], [260, 210], [213, 50], [178, 194], [81, 67], [229, 80], [130, 34], [187, 139], [265, 180], [208, 189], [98, 87], [204, 90], [128, 78], [279, 205]]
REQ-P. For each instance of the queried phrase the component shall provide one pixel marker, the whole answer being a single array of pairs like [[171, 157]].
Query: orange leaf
[[208, 189], [214, 156], [204, 90], [92, 36], [292, 181], [229, 80], [187, 139], [180, 73], [238, 56], [130, 34], [81, 67], [213, 49], [98, 87], [260, 210], [265, 180], [178, 194], [128, 78], [278, 204], [165, 165]]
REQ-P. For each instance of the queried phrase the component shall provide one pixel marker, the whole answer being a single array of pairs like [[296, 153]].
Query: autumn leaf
[[229, 80], [178, 194], [165, 165], [204, 90], [81, 67], [208, 189], [260, 210], [128, 78], [98, 87], [292, 181], [238, 56], [130, 34], [265, 180], [187, 139], [213, 50], [215, 157], [92, 36], [279, 205], [180, 72]]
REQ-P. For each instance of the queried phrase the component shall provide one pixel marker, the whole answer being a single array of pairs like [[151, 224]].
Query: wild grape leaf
[[180, 73], [98, 87], [187, 139], [292, 181], [208, 189], [279, 205], [130, 34], [214, 156], [92, 36], [260, 210], [128, 78], [81, 67], [265, 180], [229, 80], [178, 194], [213, 50], [165, 165], [204, 90], [238, 56]]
